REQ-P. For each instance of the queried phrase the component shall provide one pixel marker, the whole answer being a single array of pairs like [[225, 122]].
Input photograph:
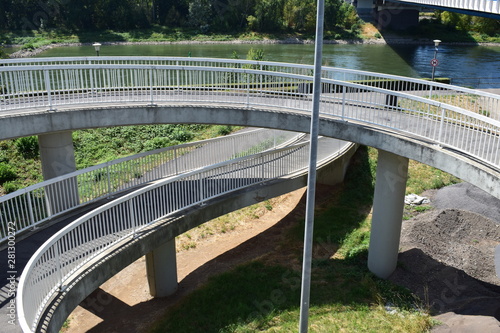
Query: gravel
[[447, 258]]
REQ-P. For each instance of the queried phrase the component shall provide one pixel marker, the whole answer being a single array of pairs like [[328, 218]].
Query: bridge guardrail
[[33, 205], [75, 245], [469, 99], [442, 113], [485, 6]]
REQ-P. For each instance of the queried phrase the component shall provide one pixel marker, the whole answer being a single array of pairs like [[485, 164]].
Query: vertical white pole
[[311, 181]]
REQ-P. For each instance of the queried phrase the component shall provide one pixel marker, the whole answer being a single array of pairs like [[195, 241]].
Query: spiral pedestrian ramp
[[452, 128]]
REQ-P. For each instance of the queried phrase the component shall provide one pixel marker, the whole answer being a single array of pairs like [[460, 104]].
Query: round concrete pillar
[[388, 206], [161, 266], [58, 158], [56, 154]]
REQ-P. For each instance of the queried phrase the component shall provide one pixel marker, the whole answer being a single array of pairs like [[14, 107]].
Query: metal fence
[[52, 82], [486, 6], [70, 249], [33, 205]]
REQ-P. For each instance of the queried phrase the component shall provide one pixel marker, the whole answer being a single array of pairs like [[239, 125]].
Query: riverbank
[[26, 53]]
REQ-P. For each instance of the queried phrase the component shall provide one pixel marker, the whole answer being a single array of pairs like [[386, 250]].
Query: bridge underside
[[398, 15]]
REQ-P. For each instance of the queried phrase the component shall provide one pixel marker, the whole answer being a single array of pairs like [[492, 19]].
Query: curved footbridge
[[454, 129]]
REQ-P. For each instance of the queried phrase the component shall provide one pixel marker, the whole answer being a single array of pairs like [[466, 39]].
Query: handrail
[[77, 243], [31, 206], [452, 95]]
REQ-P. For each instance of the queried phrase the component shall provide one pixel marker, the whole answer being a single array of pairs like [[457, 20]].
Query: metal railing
[[56, 82], [65, 253], [487, 6], [457, 118], [33, 205]]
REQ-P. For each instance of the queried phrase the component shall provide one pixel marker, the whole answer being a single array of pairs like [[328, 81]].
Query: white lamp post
[[434, 61], [97, 47]]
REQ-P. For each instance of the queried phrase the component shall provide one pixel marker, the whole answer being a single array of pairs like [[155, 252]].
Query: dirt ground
[[446, 258]]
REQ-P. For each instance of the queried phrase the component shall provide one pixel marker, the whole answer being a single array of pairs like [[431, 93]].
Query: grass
[[264, 294]]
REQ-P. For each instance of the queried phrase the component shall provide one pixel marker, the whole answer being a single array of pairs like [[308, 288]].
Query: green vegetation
[[263, 295], [453, 27], [38, 22], [20, 161]]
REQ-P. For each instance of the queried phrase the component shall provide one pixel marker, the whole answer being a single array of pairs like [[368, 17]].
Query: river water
[[470, 66]]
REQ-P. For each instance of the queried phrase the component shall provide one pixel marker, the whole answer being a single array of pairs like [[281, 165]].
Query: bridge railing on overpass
[[52, 82], [486, 6], [70, 80], [458, 118], [64, 254], [34, 205]]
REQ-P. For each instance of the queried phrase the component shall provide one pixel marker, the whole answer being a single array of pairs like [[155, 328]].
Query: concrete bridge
[[401, 14], [454, 129]]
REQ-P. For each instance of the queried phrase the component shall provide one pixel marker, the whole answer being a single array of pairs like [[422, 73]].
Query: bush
[[181, 135], [7, 173], [10, 187], [28, 146], [3, 55], [156, 143], [224, 130]]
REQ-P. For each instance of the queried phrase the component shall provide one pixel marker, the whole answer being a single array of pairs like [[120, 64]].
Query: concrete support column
[[161, 266], [58, 158], [57, 154], [388, 205]]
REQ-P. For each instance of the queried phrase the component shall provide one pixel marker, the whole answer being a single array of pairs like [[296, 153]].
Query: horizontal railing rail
[[75, 245], [35, 204]]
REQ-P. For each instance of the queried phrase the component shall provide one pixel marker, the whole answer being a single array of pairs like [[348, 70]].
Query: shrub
[[7, 173], [224, 130], [181, 135], [28, 146], [10, 187], [156, 143]]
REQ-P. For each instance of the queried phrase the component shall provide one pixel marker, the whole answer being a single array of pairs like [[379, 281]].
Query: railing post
[[175, 162], [91, 74], [178, 76], [202, 190], [58, 263], [441, 125], [48, 87], [262, 167], [233, 140], [132, 218], [151, 86], [248, 90], [109, 181], [261, 86], [343, 102], [30, 210]]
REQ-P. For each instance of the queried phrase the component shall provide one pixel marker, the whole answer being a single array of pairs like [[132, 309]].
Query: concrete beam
[[388, 206], [161, 267]]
